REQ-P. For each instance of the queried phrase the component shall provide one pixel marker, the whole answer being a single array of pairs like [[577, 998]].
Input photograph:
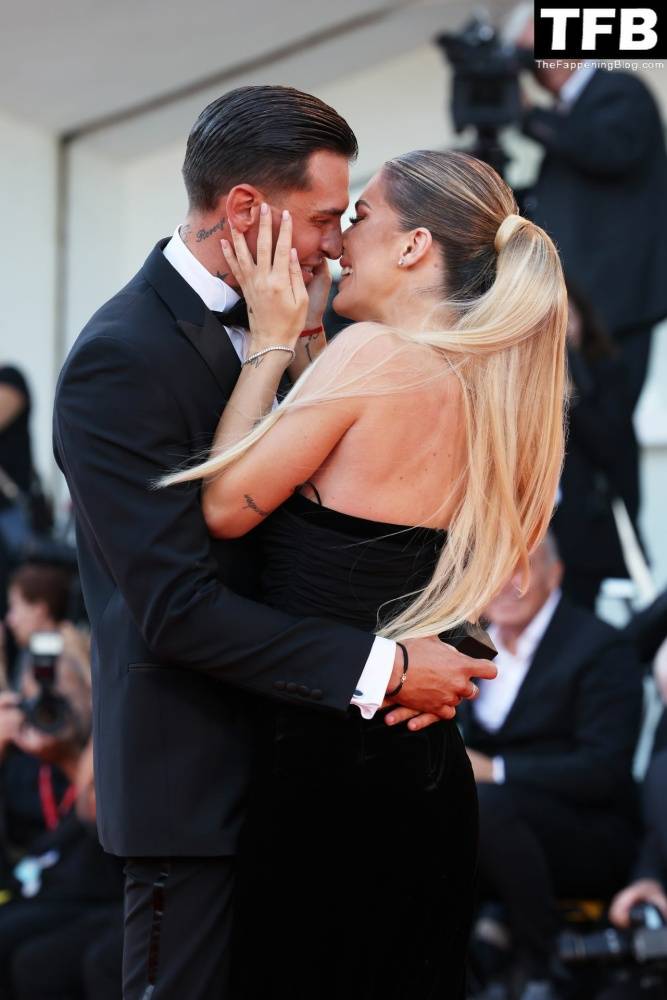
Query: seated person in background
[[551, 743], [63, 876], [38, 600], [601, 461]]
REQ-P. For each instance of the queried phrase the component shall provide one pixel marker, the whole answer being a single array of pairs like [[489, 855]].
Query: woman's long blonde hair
[[506, 344]]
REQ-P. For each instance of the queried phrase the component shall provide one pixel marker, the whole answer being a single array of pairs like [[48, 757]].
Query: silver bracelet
[[266, 350]]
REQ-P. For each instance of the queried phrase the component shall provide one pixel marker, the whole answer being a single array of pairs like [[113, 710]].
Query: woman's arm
[[289, 452], [308, 349], [277, 301], [265, 475], [313, 339]]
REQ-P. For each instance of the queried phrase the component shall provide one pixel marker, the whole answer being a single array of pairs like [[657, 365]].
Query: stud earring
[[401, 262]]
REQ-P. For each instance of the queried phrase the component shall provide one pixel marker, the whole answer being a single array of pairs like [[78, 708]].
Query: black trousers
[[535, 849], [178, 918], [356, 872]]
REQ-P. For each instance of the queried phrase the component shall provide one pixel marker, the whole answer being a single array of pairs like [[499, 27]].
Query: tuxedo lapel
[[197, 323], [212, 342]]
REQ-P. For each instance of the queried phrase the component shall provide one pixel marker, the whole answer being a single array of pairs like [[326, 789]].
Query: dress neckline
[[362, 526]]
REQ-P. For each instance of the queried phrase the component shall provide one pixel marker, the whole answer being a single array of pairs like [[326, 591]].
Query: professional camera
[[485, 91], [639, 953], [47, 711]]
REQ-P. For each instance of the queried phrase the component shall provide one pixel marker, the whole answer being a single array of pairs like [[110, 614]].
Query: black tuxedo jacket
[[182, 655], [574, 724], [602, 195]]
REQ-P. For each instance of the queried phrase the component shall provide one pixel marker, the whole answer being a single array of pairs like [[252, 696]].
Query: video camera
[[47, 711], [485, 92], [642, 948]]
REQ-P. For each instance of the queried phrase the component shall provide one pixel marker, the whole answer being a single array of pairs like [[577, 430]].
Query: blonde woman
[[407, 474]]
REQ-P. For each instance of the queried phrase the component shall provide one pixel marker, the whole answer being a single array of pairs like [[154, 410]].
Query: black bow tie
[[236, 316]]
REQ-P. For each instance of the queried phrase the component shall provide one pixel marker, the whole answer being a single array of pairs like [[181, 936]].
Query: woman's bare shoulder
[[377, 358], [373, 344]]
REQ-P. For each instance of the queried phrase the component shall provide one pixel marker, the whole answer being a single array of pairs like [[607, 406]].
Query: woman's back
[[400, 460], [319, 561]]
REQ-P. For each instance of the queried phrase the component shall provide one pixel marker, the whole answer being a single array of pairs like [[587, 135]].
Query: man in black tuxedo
[[182, 655], [551, 743], [601, 194]]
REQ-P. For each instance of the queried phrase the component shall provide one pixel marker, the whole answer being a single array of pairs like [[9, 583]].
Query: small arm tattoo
[[256, 362], [314, 336], [251, 504], [203, 234]]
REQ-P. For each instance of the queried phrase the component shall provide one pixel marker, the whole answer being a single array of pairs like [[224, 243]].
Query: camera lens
[[49, 713]]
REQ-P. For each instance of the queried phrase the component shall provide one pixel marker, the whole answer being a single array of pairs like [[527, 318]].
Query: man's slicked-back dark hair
[[262, 136]]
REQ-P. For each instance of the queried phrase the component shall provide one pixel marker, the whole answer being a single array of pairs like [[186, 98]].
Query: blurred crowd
[[573, 833], [60, 894]]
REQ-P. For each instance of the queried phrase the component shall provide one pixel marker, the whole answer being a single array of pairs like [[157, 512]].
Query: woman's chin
[[343, 304]]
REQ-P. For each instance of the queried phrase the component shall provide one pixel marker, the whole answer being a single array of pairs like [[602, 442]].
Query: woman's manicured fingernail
[[293, 254], [390, 720], [285, 215], [264, 208], [225, 244]]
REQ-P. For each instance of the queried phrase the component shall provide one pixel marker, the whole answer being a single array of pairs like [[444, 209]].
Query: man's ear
[[416, 246], [242, 207]]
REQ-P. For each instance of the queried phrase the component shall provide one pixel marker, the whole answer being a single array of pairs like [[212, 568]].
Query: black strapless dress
[[357, 865]]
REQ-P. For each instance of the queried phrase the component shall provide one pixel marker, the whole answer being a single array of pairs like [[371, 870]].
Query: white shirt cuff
[[375, 677], [498, 770]]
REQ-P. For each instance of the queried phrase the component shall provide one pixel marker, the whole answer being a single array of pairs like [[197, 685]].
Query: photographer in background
[[601, 460], [38, 601], [601, 194], [61, 879]]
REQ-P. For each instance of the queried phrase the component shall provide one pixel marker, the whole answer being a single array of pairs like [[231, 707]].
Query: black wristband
[[406, 664]]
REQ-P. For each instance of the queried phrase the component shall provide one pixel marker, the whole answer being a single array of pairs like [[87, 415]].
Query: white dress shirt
[[218, 296], [575, 85], [496, 697]]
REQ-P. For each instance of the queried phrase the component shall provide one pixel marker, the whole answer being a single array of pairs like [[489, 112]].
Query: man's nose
[[332, 244]]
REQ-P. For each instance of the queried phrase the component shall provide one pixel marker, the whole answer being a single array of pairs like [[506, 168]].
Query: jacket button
[[316, 694], [291, 687], [305, 691], [279, 685]]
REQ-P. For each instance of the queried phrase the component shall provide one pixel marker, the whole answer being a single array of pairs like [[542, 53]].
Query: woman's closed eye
[[355, 219]]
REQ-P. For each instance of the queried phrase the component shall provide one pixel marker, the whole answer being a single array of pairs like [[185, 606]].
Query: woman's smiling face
[[371, 251]]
